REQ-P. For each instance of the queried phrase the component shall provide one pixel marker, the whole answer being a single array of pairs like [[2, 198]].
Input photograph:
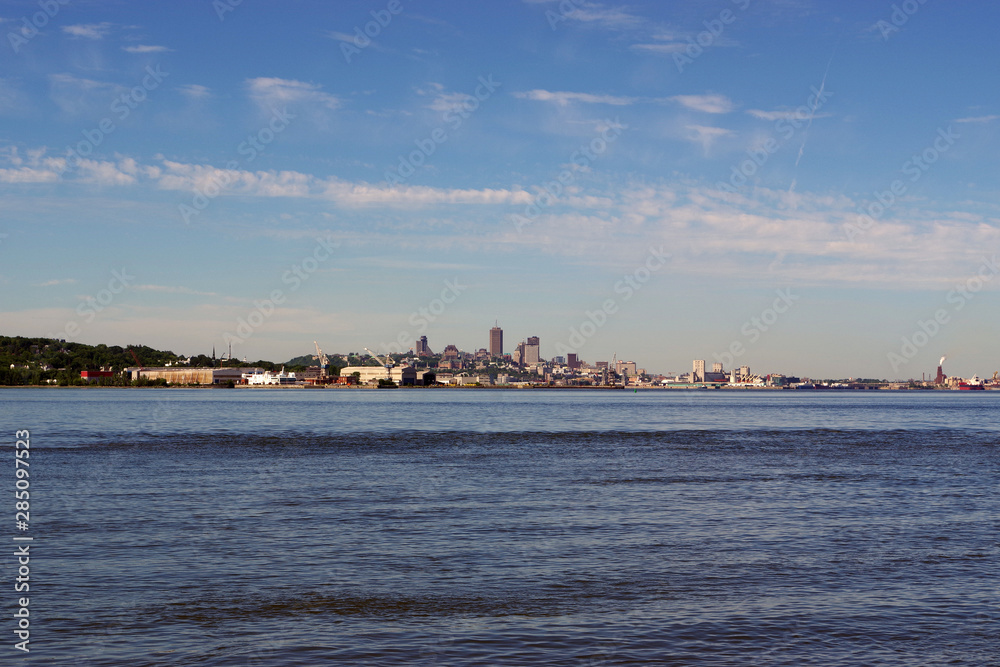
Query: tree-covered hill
[[39, 360]]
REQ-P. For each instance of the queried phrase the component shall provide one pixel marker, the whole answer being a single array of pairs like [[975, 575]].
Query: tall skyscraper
[[531, 348], [422, 349], [496, 341], [699, 371], [571, 361]]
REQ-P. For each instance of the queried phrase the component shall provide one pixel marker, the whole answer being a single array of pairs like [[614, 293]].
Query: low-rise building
[[205, 376], [94, 376], [371, 374], [267, 378]]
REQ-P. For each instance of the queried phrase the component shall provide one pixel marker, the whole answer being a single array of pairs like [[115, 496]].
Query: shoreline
[[698, 388]]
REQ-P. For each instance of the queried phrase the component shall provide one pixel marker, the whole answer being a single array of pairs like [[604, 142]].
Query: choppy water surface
[[311, 527]]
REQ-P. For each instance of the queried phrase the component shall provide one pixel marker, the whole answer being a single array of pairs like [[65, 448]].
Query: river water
[[522, 527]]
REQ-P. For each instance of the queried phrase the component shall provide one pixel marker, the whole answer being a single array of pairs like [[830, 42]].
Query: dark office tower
[[571, 361], [422, 349], [496, 342]]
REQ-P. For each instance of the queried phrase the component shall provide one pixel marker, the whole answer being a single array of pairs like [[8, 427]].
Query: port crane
[[388, 364], [324, 361]]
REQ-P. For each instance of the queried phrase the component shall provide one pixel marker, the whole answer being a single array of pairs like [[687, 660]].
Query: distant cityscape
[[523, 366]]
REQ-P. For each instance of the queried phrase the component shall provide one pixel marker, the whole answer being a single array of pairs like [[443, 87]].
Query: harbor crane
[[324, 361], [388, 364]]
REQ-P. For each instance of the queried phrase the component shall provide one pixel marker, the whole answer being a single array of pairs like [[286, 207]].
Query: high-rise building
[[518, 355], [496, 341], [698, 374], [717, 367], [744, 372], [422, 350], [626, 368], [531, 348], [572, 361]]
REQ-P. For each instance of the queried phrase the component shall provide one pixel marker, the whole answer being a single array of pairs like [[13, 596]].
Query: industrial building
[[186, 375], [406, 376]]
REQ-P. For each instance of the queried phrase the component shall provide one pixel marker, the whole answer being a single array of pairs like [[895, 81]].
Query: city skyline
[[788, 184]]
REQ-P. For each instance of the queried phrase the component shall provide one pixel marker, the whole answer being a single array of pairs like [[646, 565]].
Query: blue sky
[[520, 161]]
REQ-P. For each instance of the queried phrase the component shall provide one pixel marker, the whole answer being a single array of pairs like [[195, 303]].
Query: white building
[[401, 376], [263, 378]]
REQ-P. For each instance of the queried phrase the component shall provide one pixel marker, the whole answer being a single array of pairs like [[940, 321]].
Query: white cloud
[[613, 17], [340, 36], [145, 48], [11, 97], [194, 91], [674, 47], [78, 96], [803, 113], [709, 103], [28, 175], [88, 30], [169, 289], [52, 283], [977, 119], [706, 135], [271, 93], [565, 98], [451, 101]]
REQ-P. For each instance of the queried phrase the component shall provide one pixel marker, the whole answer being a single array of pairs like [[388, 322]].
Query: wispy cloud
[[668, 42], [170, 289], [53, 283], [270, 93], [786, 114], [145, 48], [594, 13], [75, 95], [977, 119], [675, 47], [564, 98], [195, 91], [340, 36], [88, 30], [706, 135], [710, 103]]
